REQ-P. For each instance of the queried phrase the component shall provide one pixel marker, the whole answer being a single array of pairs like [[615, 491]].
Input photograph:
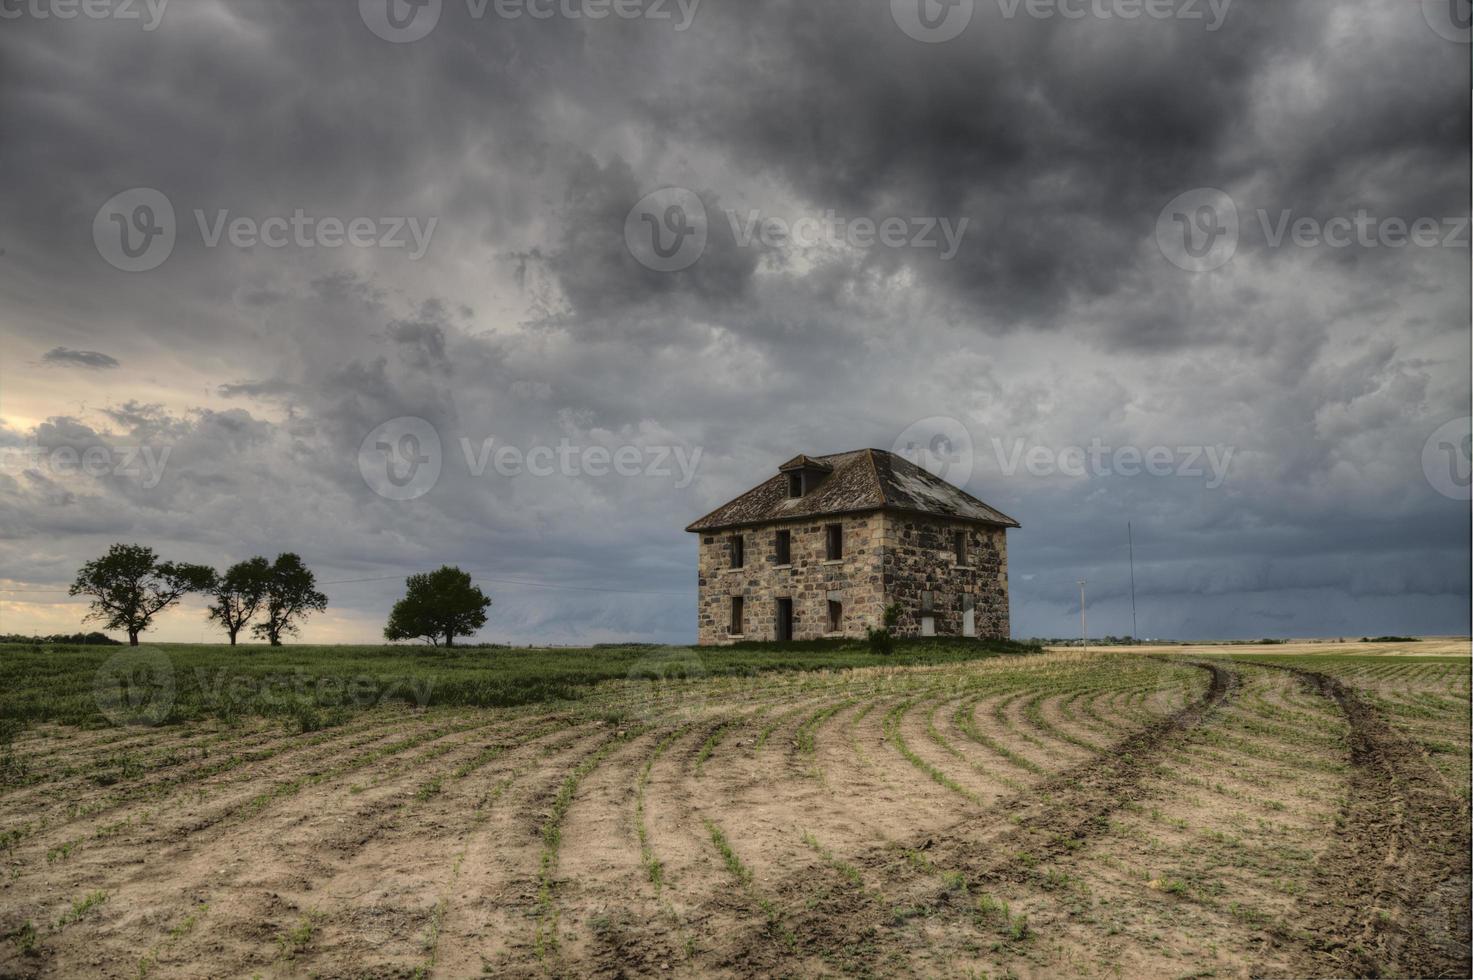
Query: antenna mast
[[1135, 636]]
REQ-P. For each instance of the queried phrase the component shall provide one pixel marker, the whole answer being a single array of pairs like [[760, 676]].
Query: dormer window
[[803, 474]]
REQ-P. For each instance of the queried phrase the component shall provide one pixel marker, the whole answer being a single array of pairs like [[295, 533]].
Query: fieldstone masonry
[[888, 555]]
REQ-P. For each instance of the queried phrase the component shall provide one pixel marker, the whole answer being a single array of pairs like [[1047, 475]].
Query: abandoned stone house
[[825, 545]]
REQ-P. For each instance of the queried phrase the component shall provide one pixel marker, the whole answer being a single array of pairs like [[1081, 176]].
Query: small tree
[[129, 586], [882, 640], [291, 595], [442, 603], [239, 593]]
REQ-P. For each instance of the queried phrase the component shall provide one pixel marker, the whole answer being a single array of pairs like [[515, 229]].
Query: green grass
[[310, 687], [80, 908]]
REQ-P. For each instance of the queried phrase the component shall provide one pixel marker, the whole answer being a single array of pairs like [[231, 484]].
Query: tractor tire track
[[1393, 895]]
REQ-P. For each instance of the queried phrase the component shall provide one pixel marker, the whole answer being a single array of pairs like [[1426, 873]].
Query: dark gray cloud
[[530, 320], [79, 358]]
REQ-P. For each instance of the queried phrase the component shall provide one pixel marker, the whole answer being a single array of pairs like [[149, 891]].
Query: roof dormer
[[804, 473]]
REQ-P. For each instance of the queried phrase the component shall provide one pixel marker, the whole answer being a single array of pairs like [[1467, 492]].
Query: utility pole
[[1135, 636], [1083, 629]]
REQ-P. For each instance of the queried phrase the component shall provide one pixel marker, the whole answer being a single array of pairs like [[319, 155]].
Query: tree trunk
[[449, 639], [132, 638], [232, 635]]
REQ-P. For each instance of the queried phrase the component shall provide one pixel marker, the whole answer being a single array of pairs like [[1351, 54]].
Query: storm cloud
[[718, 232]]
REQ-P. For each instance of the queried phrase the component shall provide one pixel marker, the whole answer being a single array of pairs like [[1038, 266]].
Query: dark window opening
[[836, 616], [834, 541], [784, 620], [738, 553], [736, 615], [784, 547], [795, 483], [960, 544]]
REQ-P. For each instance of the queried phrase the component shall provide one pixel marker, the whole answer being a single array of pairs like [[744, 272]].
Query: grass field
[[1198, 811]]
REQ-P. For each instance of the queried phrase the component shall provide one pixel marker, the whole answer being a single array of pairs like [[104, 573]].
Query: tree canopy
[[291, 596], [129, 586], [437, 605]]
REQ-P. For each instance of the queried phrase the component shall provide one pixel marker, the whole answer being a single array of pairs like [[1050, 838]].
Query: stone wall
[[920, 557], [888, 557], [809, 580]]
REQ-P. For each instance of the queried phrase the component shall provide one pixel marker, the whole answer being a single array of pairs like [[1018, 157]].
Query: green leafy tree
[[439, 604], [239, 593], [291, 596], [129, 586], [882, 640]]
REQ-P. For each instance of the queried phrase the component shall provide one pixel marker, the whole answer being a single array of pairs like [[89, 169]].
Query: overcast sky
[[1157, 263]]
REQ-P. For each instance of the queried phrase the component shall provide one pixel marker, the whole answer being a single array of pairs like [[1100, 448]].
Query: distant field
[[1232, 811], [321, 685]]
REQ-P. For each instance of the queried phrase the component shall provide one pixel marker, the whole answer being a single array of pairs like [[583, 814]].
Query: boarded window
[[836, 616], [736, 615], [738, 552], [834, 542], [928, 614], [795, 483], [784, 547], [959, 544]]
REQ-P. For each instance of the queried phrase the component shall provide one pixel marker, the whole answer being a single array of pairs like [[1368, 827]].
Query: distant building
[[821, 548]]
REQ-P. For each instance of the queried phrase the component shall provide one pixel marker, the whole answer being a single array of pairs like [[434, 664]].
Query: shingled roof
[[862, 480]]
